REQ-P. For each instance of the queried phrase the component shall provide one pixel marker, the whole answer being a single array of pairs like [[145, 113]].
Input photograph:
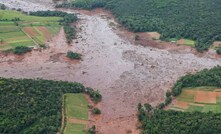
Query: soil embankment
[[124, 73]]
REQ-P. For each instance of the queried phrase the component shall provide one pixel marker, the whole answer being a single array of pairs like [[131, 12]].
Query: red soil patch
[[217, 43], [154, 35], [181, 42], [77, 121], [195, 104], [45, 32], [30, 31], [144, 36], [218, 94], [3, 44], [190, 92], [205, 97], [183, 105]]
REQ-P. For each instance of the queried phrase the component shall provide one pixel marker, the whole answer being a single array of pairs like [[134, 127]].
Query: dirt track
[[124, 73]]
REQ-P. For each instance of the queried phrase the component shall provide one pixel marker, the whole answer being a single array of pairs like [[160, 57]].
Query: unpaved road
[[124, 73]]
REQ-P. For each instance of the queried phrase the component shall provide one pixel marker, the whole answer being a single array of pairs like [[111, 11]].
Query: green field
[[201, 99], [76, 107], [12, 33], [74, 129], [189, 42], [9, 14]]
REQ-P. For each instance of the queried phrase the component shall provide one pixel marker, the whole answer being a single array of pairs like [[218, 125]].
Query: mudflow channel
[[124, 73]]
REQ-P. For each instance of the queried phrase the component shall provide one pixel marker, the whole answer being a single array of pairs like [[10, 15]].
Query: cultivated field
[[76, 111], [202, 99], [25, 31]]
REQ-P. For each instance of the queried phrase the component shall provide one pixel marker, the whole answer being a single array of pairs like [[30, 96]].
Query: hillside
[[198, 20]]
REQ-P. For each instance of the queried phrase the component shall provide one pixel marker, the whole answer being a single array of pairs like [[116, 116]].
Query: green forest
[[156, 120], [33, 106], [198, 20], [174, 122], [206, 77]]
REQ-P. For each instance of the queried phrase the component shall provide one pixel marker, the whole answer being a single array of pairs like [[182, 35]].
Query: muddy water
[[124, 73]]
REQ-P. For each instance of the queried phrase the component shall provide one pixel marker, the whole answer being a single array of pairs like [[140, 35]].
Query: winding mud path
[[124, 73]]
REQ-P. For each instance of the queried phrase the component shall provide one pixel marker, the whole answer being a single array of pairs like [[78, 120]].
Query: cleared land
[[202, 99], [27, 31], [186, 42], [76, 111]]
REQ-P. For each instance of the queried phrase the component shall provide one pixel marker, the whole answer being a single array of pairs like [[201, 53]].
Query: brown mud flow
[[123, 72]]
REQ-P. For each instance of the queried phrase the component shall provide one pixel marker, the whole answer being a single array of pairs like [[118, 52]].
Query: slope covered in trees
[[156, 120], [198, 20], [33, 106]]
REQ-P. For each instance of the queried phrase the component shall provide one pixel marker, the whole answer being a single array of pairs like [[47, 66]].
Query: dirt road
[[124, 73]]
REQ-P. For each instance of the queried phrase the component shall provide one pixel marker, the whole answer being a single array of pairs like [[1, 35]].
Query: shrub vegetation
[[218, 50], [96, 111], [19, 50], [73, 55]]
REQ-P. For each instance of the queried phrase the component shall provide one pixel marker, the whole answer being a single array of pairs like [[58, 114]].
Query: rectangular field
[[76, 109], [27, 31], [74, 129], [202, 99], [76, 106], [186, 42]]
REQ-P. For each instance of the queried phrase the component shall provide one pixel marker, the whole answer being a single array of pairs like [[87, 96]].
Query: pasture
[[202, 99], [76, 111], [27, 31]]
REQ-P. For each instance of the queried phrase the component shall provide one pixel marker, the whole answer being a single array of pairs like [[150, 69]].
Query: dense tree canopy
[[198, 20], [33, 106], [175, 122], [211, 77]]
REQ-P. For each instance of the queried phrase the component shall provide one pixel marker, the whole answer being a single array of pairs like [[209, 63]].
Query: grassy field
[[74, 129], [28, 31], [202, 99], [76, 107]]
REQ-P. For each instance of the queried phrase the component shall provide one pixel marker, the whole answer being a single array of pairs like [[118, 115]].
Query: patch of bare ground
[[217, 44], [76, 121], [125, 72]]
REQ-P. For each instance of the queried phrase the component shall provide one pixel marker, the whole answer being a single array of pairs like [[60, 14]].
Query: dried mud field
[[123, 72]]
